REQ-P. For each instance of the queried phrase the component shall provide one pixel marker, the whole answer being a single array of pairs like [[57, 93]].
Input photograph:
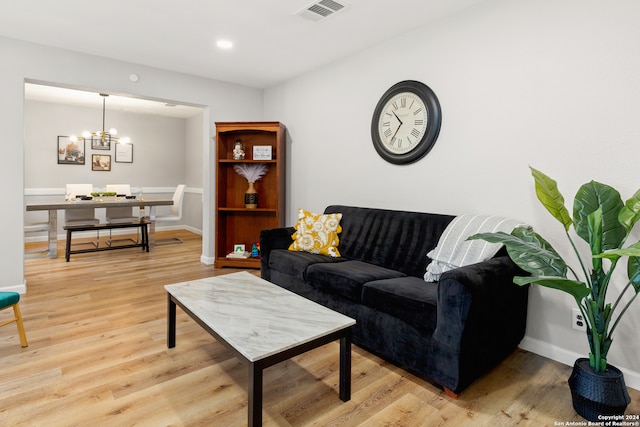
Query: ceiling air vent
[[320, 10]]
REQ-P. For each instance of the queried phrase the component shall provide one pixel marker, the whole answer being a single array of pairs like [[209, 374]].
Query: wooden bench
[[142, 224]]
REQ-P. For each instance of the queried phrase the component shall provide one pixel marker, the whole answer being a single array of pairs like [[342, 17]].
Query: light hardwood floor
[[97, 356]]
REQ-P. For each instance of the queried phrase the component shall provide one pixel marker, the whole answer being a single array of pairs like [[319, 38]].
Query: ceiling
[[60, 95], [271, 41]]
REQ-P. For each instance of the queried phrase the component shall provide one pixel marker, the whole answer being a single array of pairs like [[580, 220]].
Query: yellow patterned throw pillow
[[317, 233]]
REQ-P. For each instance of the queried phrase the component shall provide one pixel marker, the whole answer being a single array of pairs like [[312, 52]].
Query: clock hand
[[394, 113], [394, 134]]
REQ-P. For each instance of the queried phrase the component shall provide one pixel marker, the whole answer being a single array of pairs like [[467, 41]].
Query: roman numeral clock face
[[403, 122], [406, 122]]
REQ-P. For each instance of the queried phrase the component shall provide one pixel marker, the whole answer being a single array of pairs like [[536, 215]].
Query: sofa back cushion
[[397, 240]]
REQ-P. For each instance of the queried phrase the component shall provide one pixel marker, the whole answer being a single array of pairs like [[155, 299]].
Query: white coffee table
[[262, 324]]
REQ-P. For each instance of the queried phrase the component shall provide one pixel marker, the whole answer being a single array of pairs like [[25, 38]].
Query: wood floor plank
[[97, 356]]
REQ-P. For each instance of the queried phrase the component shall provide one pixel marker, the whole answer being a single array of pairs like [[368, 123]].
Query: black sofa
[[449, 333]]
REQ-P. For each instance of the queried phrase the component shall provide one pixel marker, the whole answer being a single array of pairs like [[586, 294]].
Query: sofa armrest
[[489, 282], [275, 238], [481, 318]]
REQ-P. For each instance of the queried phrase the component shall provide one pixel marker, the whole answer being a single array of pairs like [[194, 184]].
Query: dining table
[[97, 202]]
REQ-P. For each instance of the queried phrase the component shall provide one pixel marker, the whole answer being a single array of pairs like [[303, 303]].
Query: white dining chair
[[122, 214], [80, 216], [175, 215]]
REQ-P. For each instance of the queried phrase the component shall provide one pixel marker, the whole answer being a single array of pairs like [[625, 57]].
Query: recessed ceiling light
[[224, 44]]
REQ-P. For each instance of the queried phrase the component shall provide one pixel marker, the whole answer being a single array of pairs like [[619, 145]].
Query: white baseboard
[[20, 288], [567, 357], [207, 260], [193, 230], [178, 227]]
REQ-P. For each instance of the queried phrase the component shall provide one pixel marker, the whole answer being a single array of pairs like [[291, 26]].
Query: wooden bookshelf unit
[[236, 224]]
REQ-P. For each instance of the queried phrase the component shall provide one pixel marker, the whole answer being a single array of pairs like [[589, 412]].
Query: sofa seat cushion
[[408, 298], [346, 278], [295, 263]]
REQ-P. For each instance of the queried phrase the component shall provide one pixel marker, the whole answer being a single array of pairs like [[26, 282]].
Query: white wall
[[222, 102], [194, 173], [159, 147], [551, 84]]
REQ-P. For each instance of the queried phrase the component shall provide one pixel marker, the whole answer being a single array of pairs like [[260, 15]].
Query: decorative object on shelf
[[251, 172], [124, 153], [238, 255], [100, 162], [238, 150], [602, 220], [255, 250], [406, 122], [262, 152], [238, 252], [70, 152], [251, 196], [101, 140]]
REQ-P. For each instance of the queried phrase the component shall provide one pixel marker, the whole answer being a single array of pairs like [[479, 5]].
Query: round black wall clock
[[406, 122]]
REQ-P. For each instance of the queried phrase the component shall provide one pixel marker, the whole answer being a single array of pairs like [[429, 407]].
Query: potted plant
[[604, 222]]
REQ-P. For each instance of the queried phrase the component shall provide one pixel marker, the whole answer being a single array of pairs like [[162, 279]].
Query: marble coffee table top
[[256, 317]]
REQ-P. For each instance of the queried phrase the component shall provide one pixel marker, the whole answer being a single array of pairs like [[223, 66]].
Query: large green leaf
[[613, 254], [529, 251], [591, 197], [550, 197], [630, 213], [633, 270], [578, 290], [633, 264], [595, 237]]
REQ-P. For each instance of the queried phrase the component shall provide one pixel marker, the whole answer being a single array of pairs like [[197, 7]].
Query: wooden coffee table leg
[[345, 366], [255, 395], [171, 322]]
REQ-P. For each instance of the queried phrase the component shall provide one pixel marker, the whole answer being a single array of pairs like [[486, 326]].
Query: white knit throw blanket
[[455, 251]]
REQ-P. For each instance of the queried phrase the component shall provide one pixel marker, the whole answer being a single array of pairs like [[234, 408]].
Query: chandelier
[[101, 136]]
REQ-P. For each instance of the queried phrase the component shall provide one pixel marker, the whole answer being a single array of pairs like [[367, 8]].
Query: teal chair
[[11, 299]]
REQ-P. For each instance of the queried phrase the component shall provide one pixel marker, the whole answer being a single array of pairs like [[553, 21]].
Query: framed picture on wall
[[70, 152], [101, 143], [124, 153], [100, 162]]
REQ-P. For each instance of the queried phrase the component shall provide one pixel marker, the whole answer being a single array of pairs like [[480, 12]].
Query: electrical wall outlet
[[578, 322]]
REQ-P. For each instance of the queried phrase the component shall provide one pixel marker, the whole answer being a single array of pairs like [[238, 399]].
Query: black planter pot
[[597, 393]]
